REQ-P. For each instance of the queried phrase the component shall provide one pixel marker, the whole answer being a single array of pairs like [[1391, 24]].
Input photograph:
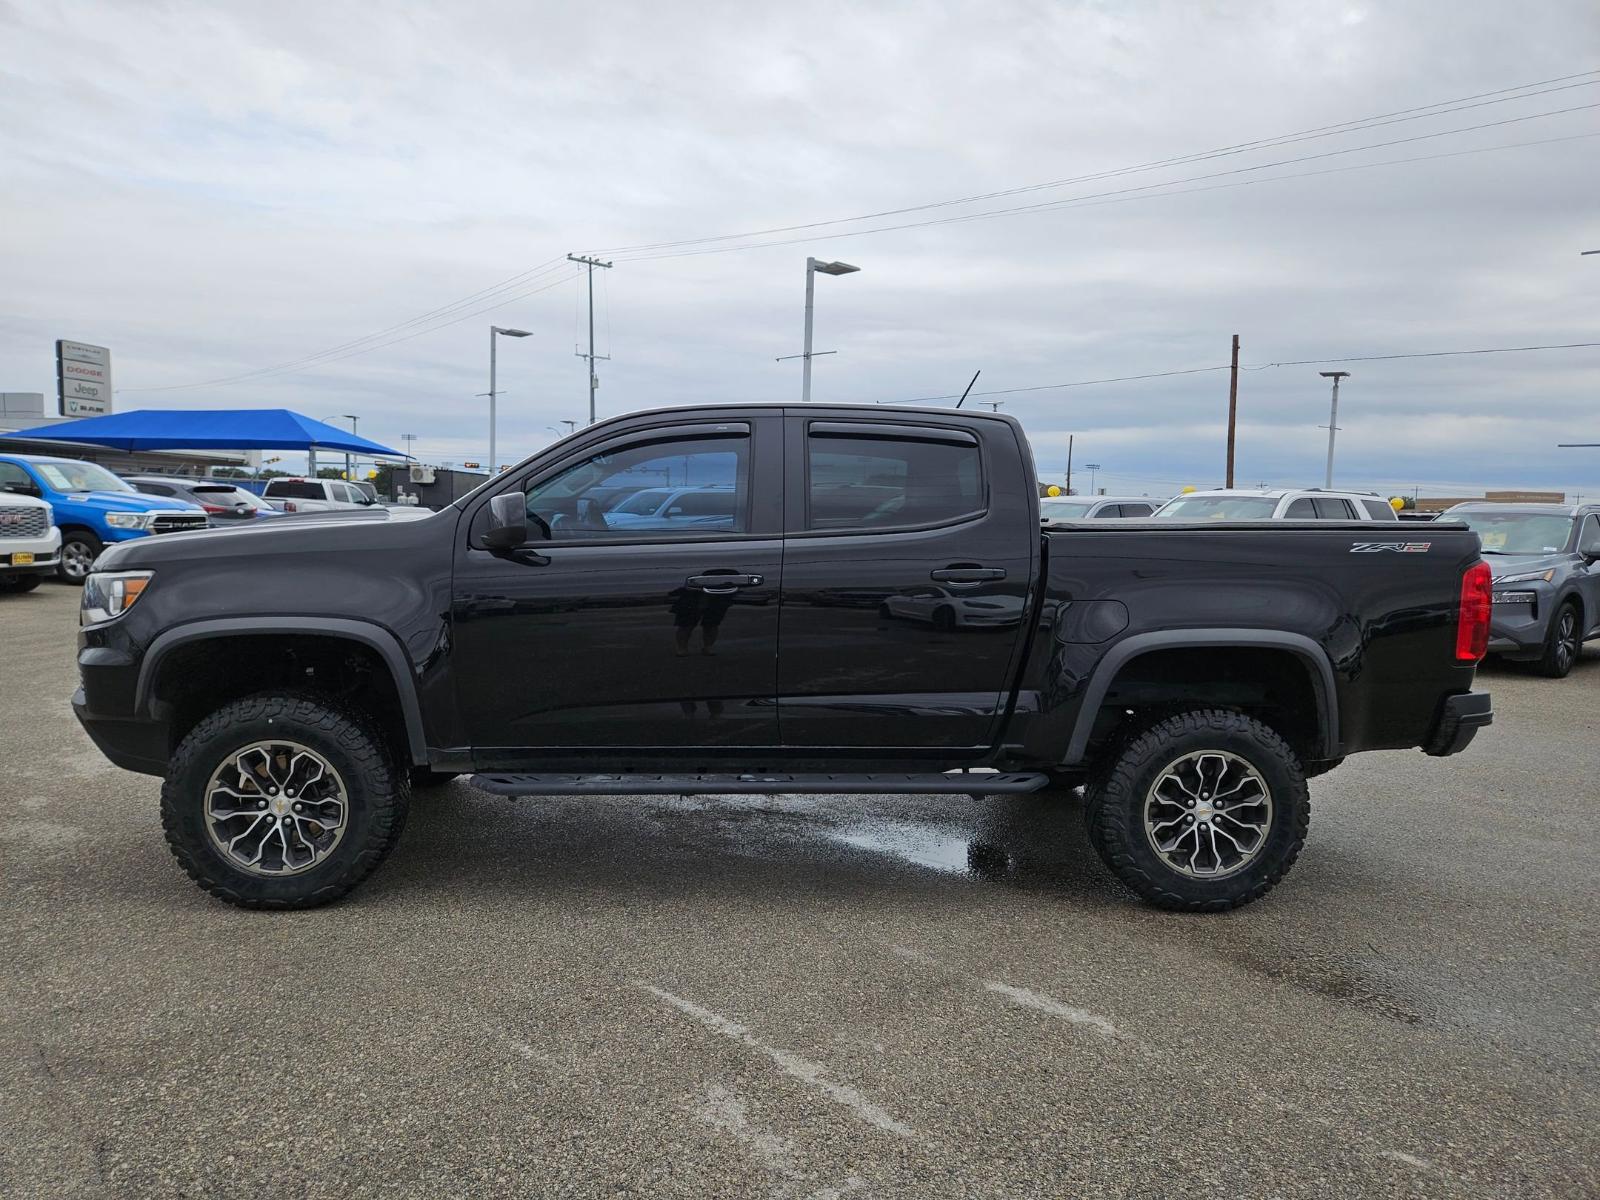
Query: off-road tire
[[378, 797], [1551, 663], [1115, 797]]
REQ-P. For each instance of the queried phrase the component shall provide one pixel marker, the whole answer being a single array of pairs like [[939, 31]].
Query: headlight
[[109, 594], [1528, 577], [129, 520]]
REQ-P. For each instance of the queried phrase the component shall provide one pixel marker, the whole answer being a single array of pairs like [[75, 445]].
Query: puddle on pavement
[[927, 846]]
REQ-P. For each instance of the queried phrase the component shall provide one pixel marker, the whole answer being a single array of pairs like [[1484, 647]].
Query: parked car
[[1190, 675], [1276, 504], [1093, 508], [314, 495], [709, 507], [1546, 564], [224, 503], [947, 608], [30, 543], [92, 507]]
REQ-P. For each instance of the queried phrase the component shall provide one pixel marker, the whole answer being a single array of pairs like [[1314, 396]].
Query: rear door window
[[866, 476], [1331, 508], [1303, 509], [1109, 510], [1378, 510], [1137, 510]]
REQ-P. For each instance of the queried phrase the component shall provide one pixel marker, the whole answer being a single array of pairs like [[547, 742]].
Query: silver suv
[[1277, 504]]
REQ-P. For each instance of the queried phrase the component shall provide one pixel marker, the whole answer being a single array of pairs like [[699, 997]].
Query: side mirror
[[508, 521]]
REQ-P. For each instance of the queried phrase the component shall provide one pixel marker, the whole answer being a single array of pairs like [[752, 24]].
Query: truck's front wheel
[[1202, 812], [282, 801]]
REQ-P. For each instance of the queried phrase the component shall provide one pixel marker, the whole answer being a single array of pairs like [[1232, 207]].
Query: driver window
[[684, 486]]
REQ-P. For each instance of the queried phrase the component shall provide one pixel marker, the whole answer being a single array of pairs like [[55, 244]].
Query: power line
[[357, 347], [1301, 362], [1440, 108], [1149, 189]]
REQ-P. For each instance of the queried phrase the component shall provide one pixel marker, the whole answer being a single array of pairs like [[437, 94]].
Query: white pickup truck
[[315, 495], [30, 543]]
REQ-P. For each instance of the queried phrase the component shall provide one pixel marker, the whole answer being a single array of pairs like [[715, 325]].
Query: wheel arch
[[367, 634], [1309, 657]]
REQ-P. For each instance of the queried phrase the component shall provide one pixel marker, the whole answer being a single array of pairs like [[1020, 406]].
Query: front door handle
[[964, 575], [723, 585]]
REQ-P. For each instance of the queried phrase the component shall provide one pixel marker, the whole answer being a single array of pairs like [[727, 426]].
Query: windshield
[[1219, 508], [1064, 510], [81, 477], [1518, 533]]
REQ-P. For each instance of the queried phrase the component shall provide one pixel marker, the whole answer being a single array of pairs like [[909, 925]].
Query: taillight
[[216, 508], [1477, 602]]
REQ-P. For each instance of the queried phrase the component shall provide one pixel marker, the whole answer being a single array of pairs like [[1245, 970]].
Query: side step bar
[[958, 783]]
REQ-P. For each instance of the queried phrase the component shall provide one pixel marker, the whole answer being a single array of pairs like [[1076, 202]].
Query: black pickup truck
[[774, 599]]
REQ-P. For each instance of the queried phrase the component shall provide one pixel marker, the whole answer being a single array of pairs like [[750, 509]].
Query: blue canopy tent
[[206, 429]]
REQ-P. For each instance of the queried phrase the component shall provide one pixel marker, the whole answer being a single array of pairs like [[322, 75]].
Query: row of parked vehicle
[[58, 514]]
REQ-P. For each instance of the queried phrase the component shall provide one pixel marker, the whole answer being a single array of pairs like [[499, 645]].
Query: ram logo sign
[[1390, 547]]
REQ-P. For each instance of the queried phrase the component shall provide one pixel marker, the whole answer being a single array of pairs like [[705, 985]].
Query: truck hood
[[130, 502], [350, 532]]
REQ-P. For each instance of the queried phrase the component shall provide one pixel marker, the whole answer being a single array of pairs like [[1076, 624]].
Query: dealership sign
[[83, 379]]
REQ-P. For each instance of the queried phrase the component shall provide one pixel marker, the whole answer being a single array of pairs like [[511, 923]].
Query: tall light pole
[[1091, 468], [516, 333], [349, 468], [812, 267], [1333, 420]]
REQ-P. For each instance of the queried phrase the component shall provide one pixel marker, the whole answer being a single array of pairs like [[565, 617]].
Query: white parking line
[[1046, 1004], [800, 1068]]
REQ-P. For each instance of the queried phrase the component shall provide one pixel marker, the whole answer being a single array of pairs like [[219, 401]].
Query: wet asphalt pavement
[[806, 996]]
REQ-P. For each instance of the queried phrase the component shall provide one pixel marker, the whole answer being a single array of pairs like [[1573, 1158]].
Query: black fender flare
[[368, 633], [1123, 652]]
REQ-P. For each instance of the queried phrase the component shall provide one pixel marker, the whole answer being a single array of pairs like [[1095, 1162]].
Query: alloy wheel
[[1208, 814], [1566, 639], [77, 560], [275, 808]]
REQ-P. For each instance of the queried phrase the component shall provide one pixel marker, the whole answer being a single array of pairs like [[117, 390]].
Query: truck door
[[908, 563], [657, 633]]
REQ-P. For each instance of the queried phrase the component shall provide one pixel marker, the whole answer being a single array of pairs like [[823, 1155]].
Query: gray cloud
[[211, 189]]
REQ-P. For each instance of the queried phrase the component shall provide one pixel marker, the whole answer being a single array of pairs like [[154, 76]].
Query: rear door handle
[[966, 575], [723, 585]]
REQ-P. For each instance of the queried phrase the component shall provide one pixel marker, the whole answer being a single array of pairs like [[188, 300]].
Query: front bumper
[[105, 705], [1517, 629], [44, 550], [1460, 718]]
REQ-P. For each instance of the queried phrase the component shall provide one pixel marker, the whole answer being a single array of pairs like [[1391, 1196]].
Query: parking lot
[[807, 996]]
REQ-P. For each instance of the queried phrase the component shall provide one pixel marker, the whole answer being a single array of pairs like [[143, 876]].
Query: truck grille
[[177, 522], [17, 522]]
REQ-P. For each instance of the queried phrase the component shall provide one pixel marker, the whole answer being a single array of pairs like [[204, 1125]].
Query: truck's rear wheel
[[282, 801], [1202, 812]]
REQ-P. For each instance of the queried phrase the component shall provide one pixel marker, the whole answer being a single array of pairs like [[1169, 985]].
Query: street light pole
[[812, 267], [1333, 420], [516, 333], [349, 468]]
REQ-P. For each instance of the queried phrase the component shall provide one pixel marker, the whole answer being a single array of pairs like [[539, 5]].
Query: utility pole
[[594, 380], [1333, 420], [1070, 437], [1233, 406]]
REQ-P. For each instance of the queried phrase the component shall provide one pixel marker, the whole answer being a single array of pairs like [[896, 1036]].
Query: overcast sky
[[213, 189]]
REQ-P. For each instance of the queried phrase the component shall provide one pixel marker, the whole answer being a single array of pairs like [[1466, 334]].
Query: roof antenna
[[964, 395]]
